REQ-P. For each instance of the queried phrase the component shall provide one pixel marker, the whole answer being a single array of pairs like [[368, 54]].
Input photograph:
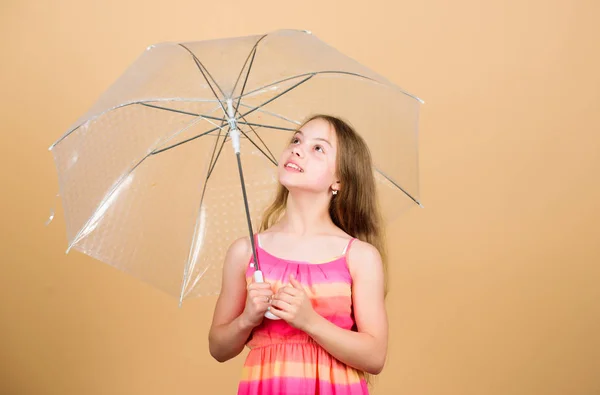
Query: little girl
[[320, 249]]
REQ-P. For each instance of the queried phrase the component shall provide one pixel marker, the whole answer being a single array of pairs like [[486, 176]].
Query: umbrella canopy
[[148, 176]]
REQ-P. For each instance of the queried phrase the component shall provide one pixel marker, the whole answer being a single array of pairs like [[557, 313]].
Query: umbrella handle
[[258, 277]]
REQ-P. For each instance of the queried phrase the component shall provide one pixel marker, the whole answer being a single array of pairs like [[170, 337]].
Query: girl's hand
[[292, 304], [258, 300]]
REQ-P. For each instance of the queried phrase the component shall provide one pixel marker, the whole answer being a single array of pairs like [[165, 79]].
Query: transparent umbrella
[[151, 177]]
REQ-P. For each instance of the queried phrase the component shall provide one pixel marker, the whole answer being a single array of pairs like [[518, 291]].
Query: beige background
[[494, 286]]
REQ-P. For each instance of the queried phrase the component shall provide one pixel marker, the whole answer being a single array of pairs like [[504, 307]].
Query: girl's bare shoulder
[[239, 251], [363, 255]]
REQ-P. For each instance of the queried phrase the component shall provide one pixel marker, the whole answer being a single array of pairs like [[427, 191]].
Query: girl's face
[[309, 161]]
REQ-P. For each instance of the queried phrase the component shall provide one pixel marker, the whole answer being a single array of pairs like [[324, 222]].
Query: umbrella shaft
[[250, 231]]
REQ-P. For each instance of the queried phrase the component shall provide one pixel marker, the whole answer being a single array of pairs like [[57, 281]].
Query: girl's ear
[[336, 186]]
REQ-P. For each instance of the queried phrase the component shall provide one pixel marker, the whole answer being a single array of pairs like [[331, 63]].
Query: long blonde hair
[[355, 208]]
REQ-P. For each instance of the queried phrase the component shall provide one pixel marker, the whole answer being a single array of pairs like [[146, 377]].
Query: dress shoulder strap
[[347, 248], [257, 240]]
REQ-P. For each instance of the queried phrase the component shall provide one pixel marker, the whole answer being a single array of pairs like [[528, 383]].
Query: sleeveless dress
[[284, 360]]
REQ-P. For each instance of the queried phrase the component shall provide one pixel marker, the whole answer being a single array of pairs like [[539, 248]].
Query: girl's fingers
[[261, 302], [280, 313], [285, 297], [294, 282], [259, 286], [260, 291], [280, 305]]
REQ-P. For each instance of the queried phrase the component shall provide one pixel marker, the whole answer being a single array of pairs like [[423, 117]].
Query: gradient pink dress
[[285, 360]]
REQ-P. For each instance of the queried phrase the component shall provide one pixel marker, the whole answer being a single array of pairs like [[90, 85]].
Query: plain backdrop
[[494, 284]]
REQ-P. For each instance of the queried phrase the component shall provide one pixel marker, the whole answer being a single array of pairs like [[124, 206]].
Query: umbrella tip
[[71, 246], [307, 31], [51, 217], [420, 205]]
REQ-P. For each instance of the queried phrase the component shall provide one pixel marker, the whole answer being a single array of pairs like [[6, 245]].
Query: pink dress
[[285, 360]]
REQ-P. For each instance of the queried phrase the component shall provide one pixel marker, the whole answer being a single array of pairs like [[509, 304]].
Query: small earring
[[334, 192]]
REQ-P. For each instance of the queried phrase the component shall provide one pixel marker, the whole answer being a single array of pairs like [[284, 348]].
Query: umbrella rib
[[271, 158], [277, 82], [214, 163], [332, 72], [276, 116], [260, 125], [189, 260], [251, 53], [277, 96], [399, 187], [213, 160], [69, 132], [201, 67], [245, 80], [178, 111], [186, 140]]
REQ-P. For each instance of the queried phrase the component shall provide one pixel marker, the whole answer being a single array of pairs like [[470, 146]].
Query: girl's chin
[[292, 182], [300, 188]]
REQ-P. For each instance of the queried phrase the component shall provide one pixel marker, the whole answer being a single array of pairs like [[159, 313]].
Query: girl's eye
[[318, 148], [295, 140]]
